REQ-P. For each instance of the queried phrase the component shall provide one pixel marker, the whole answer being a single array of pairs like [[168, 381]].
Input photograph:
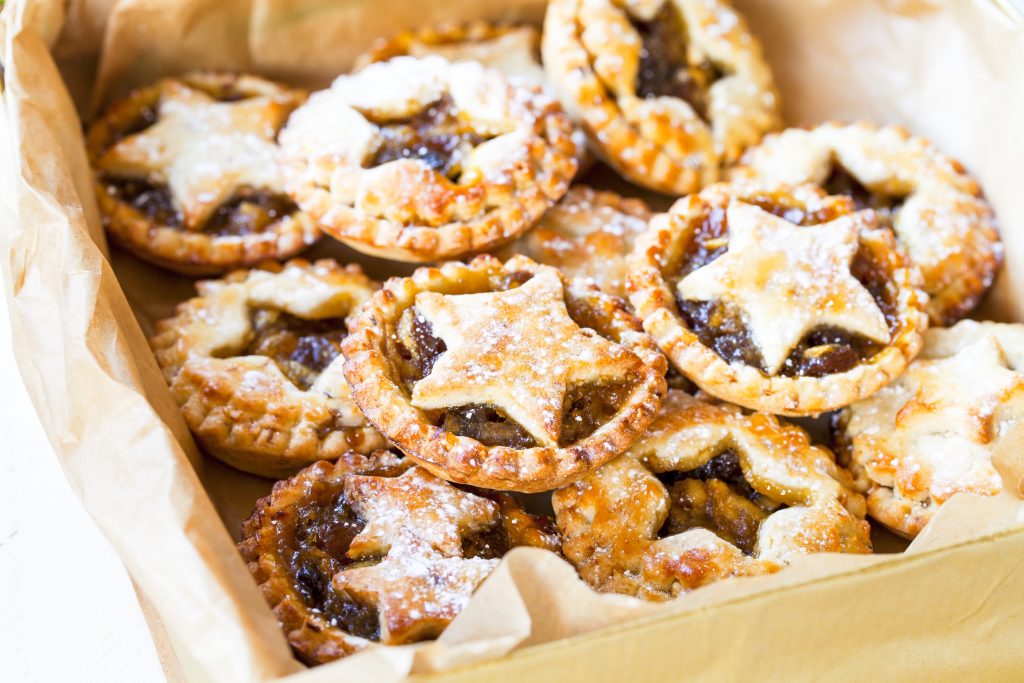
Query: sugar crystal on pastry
[[372, 549], [771, 262], [507, 376], [502, 363], [439, 159]]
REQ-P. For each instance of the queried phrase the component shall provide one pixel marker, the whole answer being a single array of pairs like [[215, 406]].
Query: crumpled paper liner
[[944, 68]]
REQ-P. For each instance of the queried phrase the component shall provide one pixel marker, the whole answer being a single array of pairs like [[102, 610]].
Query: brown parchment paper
[[947, 69]]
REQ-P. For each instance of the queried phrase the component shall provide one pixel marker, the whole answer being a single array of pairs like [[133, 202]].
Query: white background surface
[[67, 608]]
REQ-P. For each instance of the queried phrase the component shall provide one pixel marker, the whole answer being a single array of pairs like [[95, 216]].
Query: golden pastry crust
[[794, 323], [512, 49], [587, 235], [422, 160], [254, 363], [936, 431], [935, 208], [372, 549], [750, 495], [557, 378], [665, 121], [188, 176]]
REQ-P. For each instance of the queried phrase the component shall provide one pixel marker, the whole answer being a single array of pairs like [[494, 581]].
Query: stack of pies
[[800, 273]]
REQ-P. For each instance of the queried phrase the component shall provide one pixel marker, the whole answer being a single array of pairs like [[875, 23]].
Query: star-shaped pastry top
[[204, 149], [516, 350], [934, 431], [417, 591], [788, 280], [961, 393], [416, 503]]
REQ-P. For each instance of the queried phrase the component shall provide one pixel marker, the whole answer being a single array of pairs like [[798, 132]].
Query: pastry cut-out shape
[[517, 350], [422, 159], [255, 363], [342, 570]]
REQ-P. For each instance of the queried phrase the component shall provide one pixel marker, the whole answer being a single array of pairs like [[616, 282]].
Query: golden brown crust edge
[[501, 210], [312, 637]]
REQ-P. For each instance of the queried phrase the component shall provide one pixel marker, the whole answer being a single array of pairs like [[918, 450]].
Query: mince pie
[[707, 493], [781, 300], [421, 160], [255, 364], [932, 205], [667, 91], [503, 376], [587, 235], [372, 549], [940, 428], [188, 173]]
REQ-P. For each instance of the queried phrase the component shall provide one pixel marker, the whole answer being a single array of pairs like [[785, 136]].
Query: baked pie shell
[[654, 301], [176, 248], [905, 516], [463, 459], [597, 254]]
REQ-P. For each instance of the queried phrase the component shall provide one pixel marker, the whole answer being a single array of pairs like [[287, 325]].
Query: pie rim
[[605, 570], [639, 158]]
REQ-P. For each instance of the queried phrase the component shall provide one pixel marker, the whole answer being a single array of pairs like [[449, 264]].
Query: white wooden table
[[68, 611]]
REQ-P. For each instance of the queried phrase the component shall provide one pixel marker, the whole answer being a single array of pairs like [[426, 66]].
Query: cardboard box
[[949, 607]]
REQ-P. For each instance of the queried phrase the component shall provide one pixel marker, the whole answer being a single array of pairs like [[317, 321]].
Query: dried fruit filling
[[720, 326], [316, 551], [718, 498], [249, 212], [301, 348], [841, 182], [666, 68], [437, 136]]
